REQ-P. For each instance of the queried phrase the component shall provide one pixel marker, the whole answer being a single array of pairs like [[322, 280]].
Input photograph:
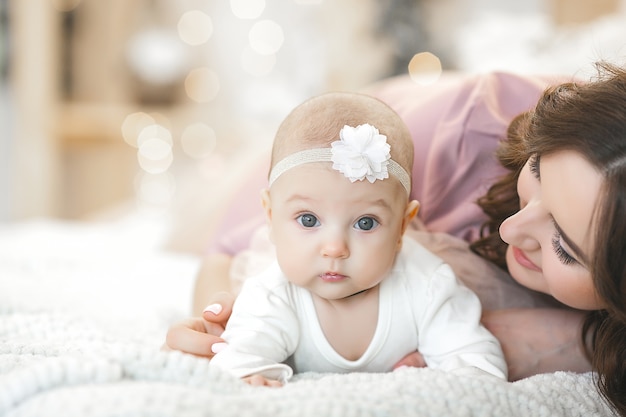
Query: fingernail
[[218, 347], [214, 308]]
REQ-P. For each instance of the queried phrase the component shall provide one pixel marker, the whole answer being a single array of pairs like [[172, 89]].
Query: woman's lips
[[332, 277], [521, 259]]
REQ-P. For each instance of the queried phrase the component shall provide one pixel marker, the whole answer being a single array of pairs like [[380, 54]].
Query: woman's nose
[[523, 229]]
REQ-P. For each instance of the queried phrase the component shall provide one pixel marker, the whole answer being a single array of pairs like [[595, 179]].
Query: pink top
[[456, 125]]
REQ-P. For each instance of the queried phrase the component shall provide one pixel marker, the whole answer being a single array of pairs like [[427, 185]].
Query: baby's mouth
[[332, 277]]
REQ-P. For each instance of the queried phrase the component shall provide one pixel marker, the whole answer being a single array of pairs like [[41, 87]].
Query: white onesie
[[422, 307]]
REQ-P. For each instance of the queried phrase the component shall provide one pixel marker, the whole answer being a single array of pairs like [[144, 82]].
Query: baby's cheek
[[291, 264], [380, 260]]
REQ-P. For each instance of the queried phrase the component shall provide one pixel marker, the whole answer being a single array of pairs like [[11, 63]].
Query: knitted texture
[[69, 350]]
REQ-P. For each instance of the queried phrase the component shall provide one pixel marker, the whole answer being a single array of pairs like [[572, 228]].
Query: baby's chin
[[339, 295]]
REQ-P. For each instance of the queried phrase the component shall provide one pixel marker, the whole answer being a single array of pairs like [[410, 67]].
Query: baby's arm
[[451, 335], [262, 332]]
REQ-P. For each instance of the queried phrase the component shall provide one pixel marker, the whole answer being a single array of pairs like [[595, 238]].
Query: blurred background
[[109, 107]]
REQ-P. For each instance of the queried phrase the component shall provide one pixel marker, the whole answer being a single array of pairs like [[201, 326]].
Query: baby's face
[[334, 237]]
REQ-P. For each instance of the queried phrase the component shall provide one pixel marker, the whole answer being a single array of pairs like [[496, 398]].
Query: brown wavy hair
[[588, 118]]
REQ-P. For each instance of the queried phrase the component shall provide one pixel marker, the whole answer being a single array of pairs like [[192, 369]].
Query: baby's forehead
[[303, 178]]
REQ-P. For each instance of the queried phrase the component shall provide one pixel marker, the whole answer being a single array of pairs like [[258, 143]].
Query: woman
[[556, 221], [564, 231]]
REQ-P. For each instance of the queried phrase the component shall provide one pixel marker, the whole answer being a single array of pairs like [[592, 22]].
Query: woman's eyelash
[[564, 257], [533, 164]]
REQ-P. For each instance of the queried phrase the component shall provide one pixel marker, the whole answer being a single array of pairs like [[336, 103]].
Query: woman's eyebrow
[[570, 243]]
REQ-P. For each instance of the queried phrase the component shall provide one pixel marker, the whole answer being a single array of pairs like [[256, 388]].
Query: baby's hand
[[261, 381], [412, 360]]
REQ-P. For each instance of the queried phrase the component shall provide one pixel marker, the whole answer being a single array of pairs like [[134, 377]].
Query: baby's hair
[[316, 124]]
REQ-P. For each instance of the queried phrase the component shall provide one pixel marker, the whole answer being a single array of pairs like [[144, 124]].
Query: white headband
[[360, 153]]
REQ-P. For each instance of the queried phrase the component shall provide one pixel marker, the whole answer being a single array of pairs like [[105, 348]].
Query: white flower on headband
[[361, 153]]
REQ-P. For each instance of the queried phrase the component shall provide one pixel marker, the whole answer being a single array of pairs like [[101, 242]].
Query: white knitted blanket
[[83, 314]]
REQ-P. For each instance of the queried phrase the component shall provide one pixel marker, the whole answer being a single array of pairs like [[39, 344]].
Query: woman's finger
[[191, 337], [219, 308]]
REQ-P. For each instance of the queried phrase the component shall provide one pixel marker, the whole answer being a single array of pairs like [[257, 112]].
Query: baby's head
[[316, 123], [338, 201]]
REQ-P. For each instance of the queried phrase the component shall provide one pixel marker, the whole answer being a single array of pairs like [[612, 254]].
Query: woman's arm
[[212, 305], [538, 340], [213, 278]]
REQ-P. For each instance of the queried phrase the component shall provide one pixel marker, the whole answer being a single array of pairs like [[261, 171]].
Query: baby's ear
[[266, 202], [409, 214], [411, 211]]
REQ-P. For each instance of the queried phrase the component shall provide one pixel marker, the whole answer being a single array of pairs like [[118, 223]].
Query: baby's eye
[[308, 220], [366, 223]]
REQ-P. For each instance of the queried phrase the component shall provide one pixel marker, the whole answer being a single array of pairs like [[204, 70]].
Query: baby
[[346, 291]]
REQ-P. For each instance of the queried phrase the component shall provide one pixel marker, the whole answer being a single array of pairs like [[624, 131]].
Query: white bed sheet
[[83, 312]]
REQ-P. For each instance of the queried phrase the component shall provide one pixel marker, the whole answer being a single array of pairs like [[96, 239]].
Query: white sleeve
[[451, 335], [261, 333]]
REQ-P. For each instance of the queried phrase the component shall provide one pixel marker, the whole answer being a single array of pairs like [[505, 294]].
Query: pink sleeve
[[456, 125], [244, 213]]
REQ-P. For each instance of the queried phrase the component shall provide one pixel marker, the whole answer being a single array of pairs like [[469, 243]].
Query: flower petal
[[361, 153]]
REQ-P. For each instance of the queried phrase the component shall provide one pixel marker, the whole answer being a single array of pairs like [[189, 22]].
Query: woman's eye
[[366, 223], [308, 220], [561, 253]]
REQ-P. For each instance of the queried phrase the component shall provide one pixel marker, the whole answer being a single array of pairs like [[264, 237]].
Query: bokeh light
[[198, 140], [132, 126], [247, 9], [154, 131], [425, 68], [157, 56], [195, 27], [155, 149], [163, 121], [202, 85], [155, 157], [256, 64], [266, 37]]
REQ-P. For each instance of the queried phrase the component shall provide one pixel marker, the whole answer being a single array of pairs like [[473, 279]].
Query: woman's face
[[551, 237]]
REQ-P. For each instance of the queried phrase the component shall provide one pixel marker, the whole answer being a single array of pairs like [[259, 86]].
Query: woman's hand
[[538, 340], [200, 336]]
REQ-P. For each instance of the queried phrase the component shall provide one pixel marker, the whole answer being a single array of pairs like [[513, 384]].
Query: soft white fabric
[[84, 310], [421, 306]]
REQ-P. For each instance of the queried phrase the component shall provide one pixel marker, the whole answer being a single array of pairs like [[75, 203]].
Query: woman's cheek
[[572, 285]]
